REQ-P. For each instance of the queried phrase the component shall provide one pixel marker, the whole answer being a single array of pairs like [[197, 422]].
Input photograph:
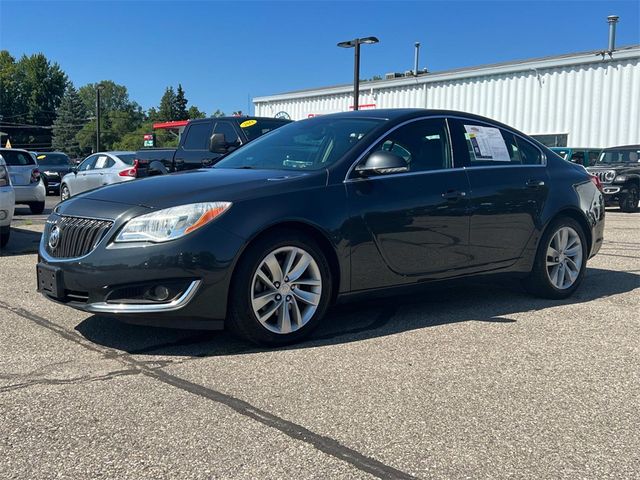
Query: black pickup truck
[[203, 142], [618, 169]]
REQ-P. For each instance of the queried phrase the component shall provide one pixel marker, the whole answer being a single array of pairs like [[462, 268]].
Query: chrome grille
[[77, 236], [605, 176]]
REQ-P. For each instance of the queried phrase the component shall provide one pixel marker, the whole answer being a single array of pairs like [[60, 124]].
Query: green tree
[[71, 116], [181, 101], [119, 115], [194, 112], [218, 113], [167, 109], [31, 90]]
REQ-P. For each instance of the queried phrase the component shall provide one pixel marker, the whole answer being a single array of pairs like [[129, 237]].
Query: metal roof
[[593, 56]]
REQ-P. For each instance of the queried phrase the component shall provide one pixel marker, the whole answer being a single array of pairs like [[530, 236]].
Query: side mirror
[[382, 162], [74, 170], [218, 143]]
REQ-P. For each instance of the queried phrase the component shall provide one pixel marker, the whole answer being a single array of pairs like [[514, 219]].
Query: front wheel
[[629, 203], [65, 194], [560, 261], [281, 289]]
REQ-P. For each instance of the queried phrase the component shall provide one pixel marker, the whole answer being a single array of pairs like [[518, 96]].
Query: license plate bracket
[[50, 280]]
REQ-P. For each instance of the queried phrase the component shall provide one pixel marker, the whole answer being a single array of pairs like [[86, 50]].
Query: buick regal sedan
[[323, 210]]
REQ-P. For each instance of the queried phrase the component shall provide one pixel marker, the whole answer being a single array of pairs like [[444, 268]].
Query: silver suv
[[25, 178]]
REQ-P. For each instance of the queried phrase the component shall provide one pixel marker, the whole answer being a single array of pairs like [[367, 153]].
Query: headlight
[[171, 223], [620, 178], [4, 176]]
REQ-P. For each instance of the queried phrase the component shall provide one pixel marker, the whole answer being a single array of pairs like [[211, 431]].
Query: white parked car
[[25, 177], [98, 170], [7, 203]]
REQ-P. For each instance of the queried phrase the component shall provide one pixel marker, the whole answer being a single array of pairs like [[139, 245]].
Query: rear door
[[20, 166], [508, 189]]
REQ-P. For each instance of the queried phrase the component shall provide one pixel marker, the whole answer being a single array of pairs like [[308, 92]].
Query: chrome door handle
[[454, 195], [535, 183]]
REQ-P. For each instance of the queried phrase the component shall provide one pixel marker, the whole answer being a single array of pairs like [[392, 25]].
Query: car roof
[[621, 147], [236, 119], [13, 150]]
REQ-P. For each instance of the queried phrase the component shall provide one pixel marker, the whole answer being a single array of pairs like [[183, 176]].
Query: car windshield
[[305, 145], [621, 155], [53, 159], [16, 157], [127, 157]]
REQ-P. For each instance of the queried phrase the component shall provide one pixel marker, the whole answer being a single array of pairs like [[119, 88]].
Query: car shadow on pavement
[[21, 242], [474, 301]]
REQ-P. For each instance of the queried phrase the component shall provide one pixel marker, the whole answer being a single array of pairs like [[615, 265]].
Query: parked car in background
[[618, 169], [199, 148], [581, 156], [53, 166], [98, 170], [7, 203], [25, 178], [326, 209]]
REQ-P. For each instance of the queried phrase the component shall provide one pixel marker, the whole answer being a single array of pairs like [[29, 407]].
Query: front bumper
[[7, 205], [201, 261], [613, 194], [32, 193]]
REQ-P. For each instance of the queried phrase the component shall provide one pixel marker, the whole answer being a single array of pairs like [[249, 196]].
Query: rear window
[[255, 127], [127, 158], [52, 159], [15, 158]]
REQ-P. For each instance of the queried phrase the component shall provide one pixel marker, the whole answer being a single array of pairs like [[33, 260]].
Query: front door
[[407, 226], [508, 189]]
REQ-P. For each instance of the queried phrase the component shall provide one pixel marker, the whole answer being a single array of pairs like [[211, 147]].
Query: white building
[[578, 100]]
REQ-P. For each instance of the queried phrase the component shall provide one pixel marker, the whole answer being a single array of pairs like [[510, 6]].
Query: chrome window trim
[[349, 179], [177, 304]]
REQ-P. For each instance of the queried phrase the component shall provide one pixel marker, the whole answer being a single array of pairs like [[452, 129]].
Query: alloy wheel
[[564, 258], [64, 194], [286, 290]]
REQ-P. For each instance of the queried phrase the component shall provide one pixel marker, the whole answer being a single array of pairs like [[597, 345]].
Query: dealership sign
[[149, 140]]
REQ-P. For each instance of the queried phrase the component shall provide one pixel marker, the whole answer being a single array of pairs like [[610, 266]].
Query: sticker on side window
[[101, 162], [487, 144]]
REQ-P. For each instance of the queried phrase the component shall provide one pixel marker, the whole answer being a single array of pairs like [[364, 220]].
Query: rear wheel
[[629, 203], [5, 232], [65, 194], [36, 207], [281, 289], [560, 262]]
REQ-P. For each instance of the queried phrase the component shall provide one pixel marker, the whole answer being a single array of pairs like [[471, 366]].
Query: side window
[[88, 163], [593, 157], [103, 161], [229, 132], [481, 145], [197, 136], [423, 144]]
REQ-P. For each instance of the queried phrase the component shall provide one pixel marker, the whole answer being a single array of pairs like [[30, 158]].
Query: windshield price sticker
[[487, 143]]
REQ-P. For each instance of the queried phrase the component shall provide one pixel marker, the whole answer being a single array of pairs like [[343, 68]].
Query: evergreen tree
[[167, 109], [70, 118], [194, 112], [218, 113], [181, 101]]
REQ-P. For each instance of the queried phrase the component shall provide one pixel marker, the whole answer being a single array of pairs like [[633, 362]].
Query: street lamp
[[356, 42], [98, 88]]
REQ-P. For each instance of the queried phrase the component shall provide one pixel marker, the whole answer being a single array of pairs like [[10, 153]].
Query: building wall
[[595, 102]]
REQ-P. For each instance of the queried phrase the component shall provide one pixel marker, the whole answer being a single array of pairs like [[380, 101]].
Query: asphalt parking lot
[[482, 381]]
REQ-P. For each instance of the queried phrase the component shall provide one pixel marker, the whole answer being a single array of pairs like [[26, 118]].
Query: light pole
[[355, 43], [98, 88]]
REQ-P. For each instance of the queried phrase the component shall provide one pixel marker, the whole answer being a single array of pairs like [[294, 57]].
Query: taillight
[[596, 181], [130, 172], [35, 175]]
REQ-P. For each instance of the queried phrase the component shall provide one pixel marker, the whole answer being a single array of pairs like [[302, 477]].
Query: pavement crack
[[295, 431], [70, 381]]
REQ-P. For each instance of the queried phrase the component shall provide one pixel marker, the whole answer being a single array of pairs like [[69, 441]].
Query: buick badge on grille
[[54, 237]]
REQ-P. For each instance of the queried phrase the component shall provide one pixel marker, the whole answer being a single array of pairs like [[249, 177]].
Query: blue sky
[[225, 52]]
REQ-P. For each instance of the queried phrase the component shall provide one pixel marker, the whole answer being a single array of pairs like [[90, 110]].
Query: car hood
[[232, 185]]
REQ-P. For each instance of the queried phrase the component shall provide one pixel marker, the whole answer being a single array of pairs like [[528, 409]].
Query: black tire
[[629, 203], [65, 194], [36, 207], [538, 282], [5, 233], [242, 320]]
